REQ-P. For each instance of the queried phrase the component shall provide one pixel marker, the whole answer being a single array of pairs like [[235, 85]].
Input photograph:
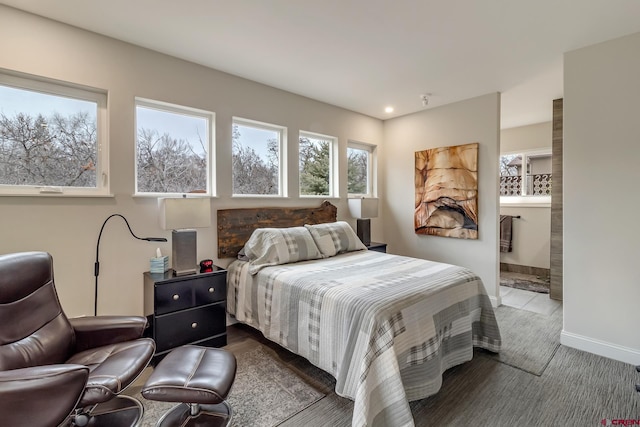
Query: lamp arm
[[96, 266]]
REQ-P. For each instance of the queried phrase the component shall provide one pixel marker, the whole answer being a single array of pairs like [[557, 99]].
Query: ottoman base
[[192, 415]]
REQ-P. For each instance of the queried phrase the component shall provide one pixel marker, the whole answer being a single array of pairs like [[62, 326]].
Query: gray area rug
[[264, 394], [529, 340]]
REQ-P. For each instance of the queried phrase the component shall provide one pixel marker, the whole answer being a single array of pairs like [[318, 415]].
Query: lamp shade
[[179, 213], [363, 208]]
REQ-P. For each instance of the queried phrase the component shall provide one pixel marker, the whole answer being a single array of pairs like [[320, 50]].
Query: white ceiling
[[364, 55]]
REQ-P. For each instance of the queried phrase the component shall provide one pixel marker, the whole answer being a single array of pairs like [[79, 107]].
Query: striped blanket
[[385, 326]]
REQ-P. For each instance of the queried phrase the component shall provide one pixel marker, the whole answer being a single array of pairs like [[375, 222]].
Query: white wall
[[601, 176], [473, 120], [68, 227], [531, 236], [532, 232], [531, 137]]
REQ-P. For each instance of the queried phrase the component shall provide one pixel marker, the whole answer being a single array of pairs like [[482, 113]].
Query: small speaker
[[184, 252]]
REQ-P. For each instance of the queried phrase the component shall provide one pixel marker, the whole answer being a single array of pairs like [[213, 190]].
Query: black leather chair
[[41, 395], [55, 370]]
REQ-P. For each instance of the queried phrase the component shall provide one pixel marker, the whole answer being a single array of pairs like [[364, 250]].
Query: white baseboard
[[495, 301], [601, 348]]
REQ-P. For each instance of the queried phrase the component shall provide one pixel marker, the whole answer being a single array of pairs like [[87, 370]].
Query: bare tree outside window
[[48, 151], [256, 159], [510, 164], [172, 149], [47, 140]]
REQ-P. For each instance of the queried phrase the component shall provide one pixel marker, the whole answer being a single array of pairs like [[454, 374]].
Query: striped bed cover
[[385, 326]]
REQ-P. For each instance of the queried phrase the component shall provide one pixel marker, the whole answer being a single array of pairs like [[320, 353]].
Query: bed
[[385, 326]]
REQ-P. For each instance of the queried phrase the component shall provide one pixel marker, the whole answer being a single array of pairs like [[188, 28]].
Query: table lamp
[[182, 215], [363, 209]]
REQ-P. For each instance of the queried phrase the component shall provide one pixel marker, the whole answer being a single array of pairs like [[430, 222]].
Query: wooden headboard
[[236, 225]]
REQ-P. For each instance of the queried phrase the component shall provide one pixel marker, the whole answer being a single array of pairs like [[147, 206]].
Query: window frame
[[69, 90], [333, 165], [282, 175], [371, 168], [525, 200], [211, 144]]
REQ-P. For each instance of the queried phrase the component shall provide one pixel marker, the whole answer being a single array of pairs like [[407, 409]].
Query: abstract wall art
[[446, 181]]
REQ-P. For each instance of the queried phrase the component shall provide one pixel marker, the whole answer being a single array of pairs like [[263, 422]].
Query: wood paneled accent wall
[[236, 225], [556, 202]]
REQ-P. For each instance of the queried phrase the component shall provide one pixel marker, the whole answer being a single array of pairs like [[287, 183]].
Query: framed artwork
[[446, 181]]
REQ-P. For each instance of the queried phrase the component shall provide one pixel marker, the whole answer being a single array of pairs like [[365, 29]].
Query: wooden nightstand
[[377, 246], [186, 309]]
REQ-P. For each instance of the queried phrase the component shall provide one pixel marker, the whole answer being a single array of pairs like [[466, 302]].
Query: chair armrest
[[92, 332], [41, 395]]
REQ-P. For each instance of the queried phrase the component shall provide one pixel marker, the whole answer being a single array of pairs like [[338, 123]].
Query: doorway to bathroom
[[526, 182]]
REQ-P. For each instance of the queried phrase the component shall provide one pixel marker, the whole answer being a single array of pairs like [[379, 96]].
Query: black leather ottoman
[[200, 378]]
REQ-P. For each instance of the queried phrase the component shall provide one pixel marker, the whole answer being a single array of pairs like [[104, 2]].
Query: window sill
[[526, 202], [258, 196], [170, 195], [59, 195]]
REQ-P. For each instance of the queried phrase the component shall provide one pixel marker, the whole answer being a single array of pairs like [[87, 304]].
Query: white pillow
[[335, 238]]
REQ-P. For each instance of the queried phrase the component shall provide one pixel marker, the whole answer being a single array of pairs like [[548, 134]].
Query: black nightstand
[[377, 246], [186, 309]]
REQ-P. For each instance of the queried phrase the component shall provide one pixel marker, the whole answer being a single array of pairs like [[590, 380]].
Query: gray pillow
[[335, 238], [275, 246]]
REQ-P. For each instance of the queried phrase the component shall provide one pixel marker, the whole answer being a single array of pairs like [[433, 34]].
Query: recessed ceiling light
[[388, 110]]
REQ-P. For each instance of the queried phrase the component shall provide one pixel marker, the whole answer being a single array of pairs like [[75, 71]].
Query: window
[[174, 147], [257, 158], [526, 177], [360, 168], [52, 138], [316, 165]]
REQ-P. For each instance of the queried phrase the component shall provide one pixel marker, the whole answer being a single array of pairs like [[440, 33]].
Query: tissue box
[[159, 265]]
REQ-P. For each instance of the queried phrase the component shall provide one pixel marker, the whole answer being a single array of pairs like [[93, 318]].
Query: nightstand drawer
[[173, 297], [377, 247], [173, 330], [210, 289]]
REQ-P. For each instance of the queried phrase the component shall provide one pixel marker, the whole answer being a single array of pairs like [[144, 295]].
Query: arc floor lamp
[[96, 268]]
